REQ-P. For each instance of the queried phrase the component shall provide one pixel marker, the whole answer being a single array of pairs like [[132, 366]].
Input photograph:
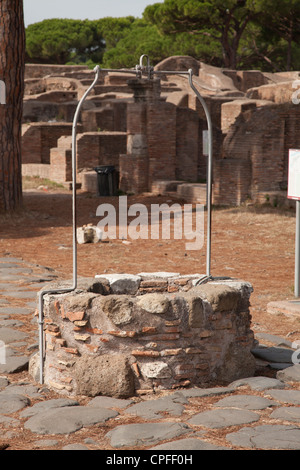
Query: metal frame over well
[[140, 70]]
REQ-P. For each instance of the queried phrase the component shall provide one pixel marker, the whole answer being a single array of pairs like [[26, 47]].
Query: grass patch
[[34, 182]]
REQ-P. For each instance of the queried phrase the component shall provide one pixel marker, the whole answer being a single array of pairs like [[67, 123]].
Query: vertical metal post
[[297, 251], [209, 172], [74, 224]]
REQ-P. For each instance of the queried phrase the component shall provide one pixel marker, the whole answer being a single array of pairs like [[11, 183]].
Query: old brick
[[152, 290], [181, 282], [55, 334], [149, 329], [72, 351], [95, 331], [81, 337], [136, 369], [171, 352], [80, 324], [75, 316], [173, 289], [138, 353], [206, 334], [173, 322], [92, 348], [122, 334], [172, 329], [154, 283], [193, 351], [57, 307], [53, 328]]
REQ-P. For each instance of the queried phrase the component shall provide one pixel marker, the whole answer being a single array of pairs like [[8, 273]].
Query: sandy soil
[[252, 243]]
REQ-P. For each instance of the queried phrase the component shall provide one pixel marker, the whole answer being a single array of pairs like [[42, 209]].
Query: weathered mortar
[[119, 334]]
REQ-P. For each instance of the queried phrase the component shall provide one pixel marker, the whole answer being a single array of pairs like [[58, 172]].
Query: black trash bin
[[107, 180]]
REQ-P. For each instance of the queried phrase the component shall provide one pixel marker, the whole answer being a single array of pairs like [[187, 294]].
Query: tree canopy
[[260, 34], [62, 40]]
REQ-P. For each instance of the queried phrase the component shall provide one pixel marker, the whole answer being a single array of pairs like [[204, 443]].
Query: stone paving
[[255, 413]]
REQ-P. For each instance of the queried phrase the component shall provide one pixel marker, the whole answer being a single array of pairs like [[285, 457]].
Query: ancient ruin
[[117, 335], [152, 131]]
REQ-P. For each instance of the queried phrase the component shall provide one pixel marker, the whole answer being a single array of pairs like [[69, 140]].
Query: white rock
[[156, 370], [122, 283]]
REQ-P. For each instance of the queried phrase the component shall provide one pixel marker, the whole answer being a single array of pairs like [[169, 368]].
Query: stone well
[[118, 335]]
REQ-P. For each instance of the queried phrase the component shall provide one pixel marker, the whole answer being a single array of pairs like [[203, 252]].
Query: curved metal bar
[[209, 171], [74, 226]]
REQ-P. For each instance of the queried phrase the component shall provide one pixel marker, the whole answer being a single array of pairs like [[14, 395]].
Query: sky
[[39, 10]]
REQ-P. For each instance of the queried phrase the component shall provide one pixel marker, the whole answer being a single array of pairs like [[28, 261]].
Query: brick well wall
[[166, 332]]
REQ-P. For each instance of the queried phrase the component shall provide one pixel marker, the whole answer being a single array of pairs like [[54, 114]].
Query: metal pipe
[[209, 171], [74, 227], [133, 71]]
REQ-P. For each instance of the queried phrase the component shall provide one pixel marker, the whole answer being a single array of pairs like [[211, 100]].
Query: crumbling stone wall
[[254, 126], [254, 159], [39, 138], [118, 334], [93, 149]]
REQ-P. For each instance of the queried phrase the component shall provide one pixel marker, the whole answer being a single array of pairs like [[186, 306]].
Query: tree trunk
[[12, 66]]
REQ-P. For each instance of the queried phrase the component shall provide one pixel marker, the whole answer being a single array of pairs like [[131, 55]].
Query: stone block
[[80, 301], [156, 370], [94, 376], [154, 303], [122, 283], [221, 297], [88, 234], [118, 309], [196, 311]]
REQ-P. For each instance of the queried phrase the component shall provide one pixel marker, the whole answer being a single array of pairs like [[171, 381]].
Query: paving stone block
[[145, 434]]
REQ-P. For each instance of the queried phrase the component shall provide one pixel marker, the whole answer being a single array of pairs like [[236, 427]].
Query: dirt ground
[[252, 243]]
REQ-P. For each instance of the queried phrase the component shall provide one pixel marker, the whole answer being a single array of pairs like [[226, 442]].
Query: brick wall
[[164, 142], [93, 149], [168, 333], [39, 138], [254, 159], [188, 145]]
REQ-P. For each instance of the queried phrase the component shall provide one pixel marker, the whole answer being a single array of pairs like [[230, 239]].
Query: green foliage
[[280, 24], [248, 34], [223, 21], [144, 38], [62, 40]]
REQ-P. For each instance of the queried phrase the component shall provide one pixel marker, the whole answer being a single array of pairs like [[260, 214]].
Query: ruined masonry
[[119, 334], [152, 130]]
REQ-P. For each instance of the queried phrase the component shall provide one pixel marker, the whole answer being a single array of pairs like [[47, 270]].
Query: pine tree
[[12, 66]]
